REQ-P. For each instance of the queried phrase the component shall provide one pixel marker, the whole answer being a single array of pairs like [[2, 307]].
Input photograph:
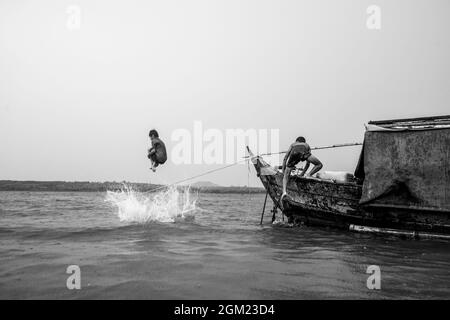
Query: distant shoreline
[[86, 186]]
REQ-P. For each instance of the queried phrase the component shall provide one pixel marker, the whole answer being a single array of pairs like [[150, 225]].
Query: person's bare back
[[157, 153], [298, 151]]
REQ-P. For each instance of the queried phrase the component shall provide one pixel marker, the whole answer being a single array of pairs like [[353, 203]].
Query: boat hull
[[318, 202]]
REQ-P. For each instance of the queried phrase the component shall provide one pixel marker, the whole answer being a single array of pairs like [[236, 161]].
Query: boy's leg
[[152, 158], [159, 159], [317, 165], [287, 174], [289, 165]]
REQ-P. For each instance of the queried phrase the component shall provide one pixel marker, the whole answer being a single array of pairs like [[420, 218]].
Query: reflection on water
[[220, 253]]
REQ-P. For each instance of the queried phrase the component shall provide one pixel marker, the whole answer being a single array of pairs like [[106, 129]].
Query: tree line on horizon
[[87, 186]]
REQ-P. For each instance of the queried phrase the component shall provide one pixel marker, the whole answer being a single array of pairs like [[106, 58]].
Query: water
[[197, 246]]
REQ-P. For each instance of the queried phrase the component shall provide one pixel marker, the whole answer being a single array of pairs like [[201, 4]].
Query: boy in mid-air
[[157, 153], [299, 151]]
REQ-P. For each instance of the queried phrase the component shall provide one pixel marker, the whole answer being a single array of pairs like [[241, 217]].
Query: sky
[[82, 82]]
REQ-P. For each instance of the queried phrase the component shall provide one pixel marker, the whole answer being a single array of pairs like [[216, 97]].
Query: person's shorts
[[296, 158]]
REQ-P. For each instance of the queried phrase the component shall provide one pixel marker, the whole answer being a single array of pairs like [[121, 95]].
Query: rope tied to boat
[[247, 158], [340, 145], [199, 175]]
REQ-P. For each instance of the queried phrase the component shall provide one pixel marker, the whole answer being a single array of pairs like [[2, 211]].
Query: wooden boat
[[401, 186]]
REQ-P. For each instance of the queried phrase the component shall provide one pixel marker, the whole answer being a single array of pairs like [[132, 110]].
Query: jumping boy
[[157, 153]]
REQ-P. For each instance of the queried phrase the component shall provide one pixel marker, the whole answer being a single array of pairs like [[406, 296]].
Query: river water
[[183, 245]]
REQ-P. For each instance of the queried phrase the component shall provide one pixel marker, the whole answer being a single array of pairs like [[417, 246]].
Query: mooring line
[[340, 145], [246, 158], [197, 176]]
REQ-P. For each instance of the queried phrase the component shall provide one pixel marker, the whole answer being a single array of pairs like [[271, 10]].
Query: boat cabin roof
[[412, 123]]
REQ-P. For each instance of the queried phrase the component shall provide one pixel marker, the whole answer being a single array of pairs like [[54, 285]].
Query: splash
[[165, 206]]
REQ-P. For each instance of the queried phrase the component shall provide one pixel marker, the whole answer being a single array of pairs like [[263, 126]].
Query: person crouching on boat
[[157, 153], [299, 151]]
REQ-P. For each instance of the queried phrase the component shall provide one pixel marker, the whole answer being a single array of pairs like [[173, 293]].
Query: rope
[[246, 158], [197, 176], [315, 148]]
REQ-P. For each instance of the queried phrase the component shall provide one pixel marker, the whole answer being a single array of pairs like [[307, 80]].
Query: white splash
[[165, 206]]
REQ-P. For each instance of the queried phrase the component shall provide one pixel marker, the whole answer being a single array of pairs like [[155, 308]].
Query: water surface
[[217, 250]]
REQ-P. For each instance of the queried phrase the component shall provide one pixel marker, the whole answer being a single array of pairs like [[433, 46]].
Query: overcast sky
[[77, 103]]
